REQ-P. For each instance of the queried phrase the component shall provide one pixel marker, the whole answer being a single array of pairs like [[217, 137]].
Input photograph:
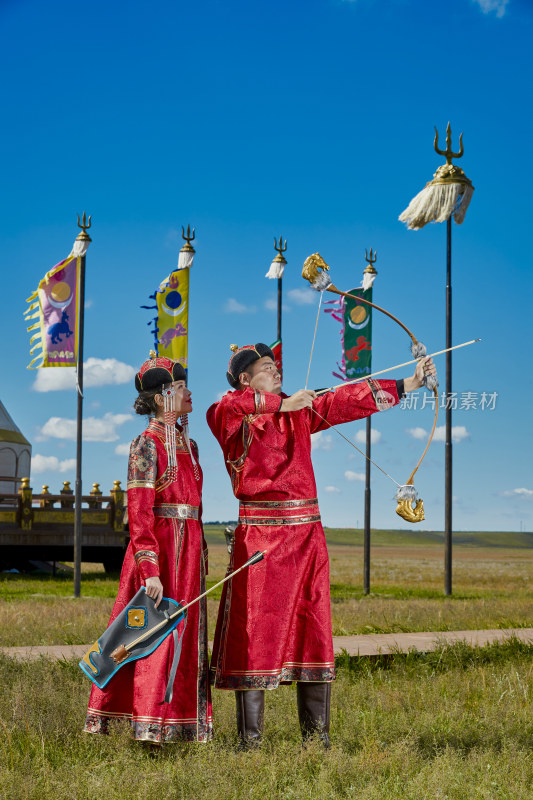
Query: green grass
[[449, 725], [491, 589]]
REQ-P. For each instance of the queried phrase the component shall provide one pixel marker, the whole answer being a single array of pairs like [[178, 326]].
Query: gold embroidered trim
[[146, 555], [275, 521], [260, 402], [278, 503], [176, 511], [140, 485], [286, 665]]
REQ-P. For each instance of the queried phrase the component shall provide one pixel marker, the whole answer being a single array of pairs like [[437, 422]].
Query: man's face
[[264, 376]]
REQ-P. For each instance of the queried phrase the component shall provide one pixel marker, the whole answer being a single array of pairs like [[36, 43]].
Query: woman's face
[[180, 400]]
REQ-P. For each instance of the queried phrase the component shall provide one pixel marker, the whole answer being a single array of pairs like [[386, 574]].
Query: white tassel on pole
[[276, 268], [368, 280], [436, 202], [186, 256], [80, 247], [449, 193], [278, 265]]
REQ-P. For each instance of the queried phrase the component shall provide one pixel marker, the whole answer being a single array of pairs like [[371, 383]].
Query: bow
[[315, 270]]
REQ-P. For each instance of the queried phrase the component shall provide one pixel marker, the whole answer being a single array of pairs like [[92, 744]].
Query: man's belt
[[176, 511], [279, 512]]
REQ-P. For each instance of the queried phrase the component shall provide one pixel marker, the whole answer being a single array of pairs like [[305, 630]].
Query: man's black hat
[[242, 358]]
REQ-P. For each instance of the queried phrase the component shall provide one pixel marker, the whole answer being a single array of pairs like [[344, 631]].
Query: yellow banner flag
[[172, 325]]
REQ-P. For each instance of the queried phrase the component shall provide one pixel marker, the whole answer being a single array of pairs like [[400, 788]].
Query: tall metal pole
[[279, 309], [366, 534], [276, 271], [84, 237], [371, 270], [448, 445]]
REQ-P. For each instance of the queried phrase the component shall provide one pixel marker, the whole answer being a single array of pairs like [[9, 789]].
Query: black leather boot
[[250, 715], [313, 710]]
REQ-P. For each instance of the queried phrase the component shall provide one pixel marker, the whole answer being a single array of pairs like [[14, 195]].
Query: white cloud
[[321, 441], [354, 476], [375, 436], [96, 372], [518, 493], [94, 429], [122, 449], [233, 306], [332, 489], [417, 433], [302, 297], [51, 464], [493, 5], [459, 432]]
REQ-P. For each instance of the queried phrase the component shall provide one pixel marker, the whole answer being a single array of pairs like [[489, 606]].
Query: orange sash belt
[[279, 512]]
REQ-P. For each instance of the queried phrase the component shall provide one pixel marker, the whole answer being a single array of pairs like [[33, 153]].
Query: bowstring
[[314, 338], [333, 428]]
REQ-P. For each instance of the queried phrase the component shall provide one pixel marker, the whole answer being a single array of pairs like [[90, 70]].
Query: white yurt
[[15, 453]]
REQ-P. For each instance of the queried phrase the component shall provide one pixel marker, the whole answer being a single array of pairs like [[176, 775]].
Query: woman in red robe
[[167, 553], [274, 623]]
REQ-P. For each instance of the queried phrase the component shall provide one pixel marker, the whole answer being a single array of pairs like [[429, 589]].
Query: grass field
[[491, 582], [449, 725]]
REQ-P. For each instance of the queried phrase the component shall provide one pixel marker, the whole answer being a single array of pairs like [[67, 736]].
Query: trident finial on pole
[[187, 236], [371, 260], [280, 247], [448, 152], [187, 251], [84, 225]]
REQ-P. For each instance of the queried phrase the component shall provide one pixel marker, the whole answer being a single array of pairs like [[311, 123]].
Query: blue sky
[[312, 120]]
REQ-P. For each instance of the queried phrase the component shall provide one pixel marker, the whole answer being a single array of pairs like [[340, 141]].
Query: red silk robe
[[274, 622], [174, 549]]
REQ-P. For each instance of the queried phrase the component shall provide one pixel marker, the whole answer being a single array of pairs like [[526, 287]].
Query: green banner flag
[[356, 334], [357, 344]]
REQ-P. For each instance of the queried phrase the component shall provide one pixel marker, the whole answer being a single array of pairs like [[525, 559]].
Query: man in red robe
[[274, 623]]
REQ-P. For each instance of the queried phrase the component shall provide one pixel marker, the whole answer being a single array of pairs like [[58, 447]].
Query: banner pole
[[84, 237], [448, 466], [276, 271], [366, 534], [371, 270], [279, 309]]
